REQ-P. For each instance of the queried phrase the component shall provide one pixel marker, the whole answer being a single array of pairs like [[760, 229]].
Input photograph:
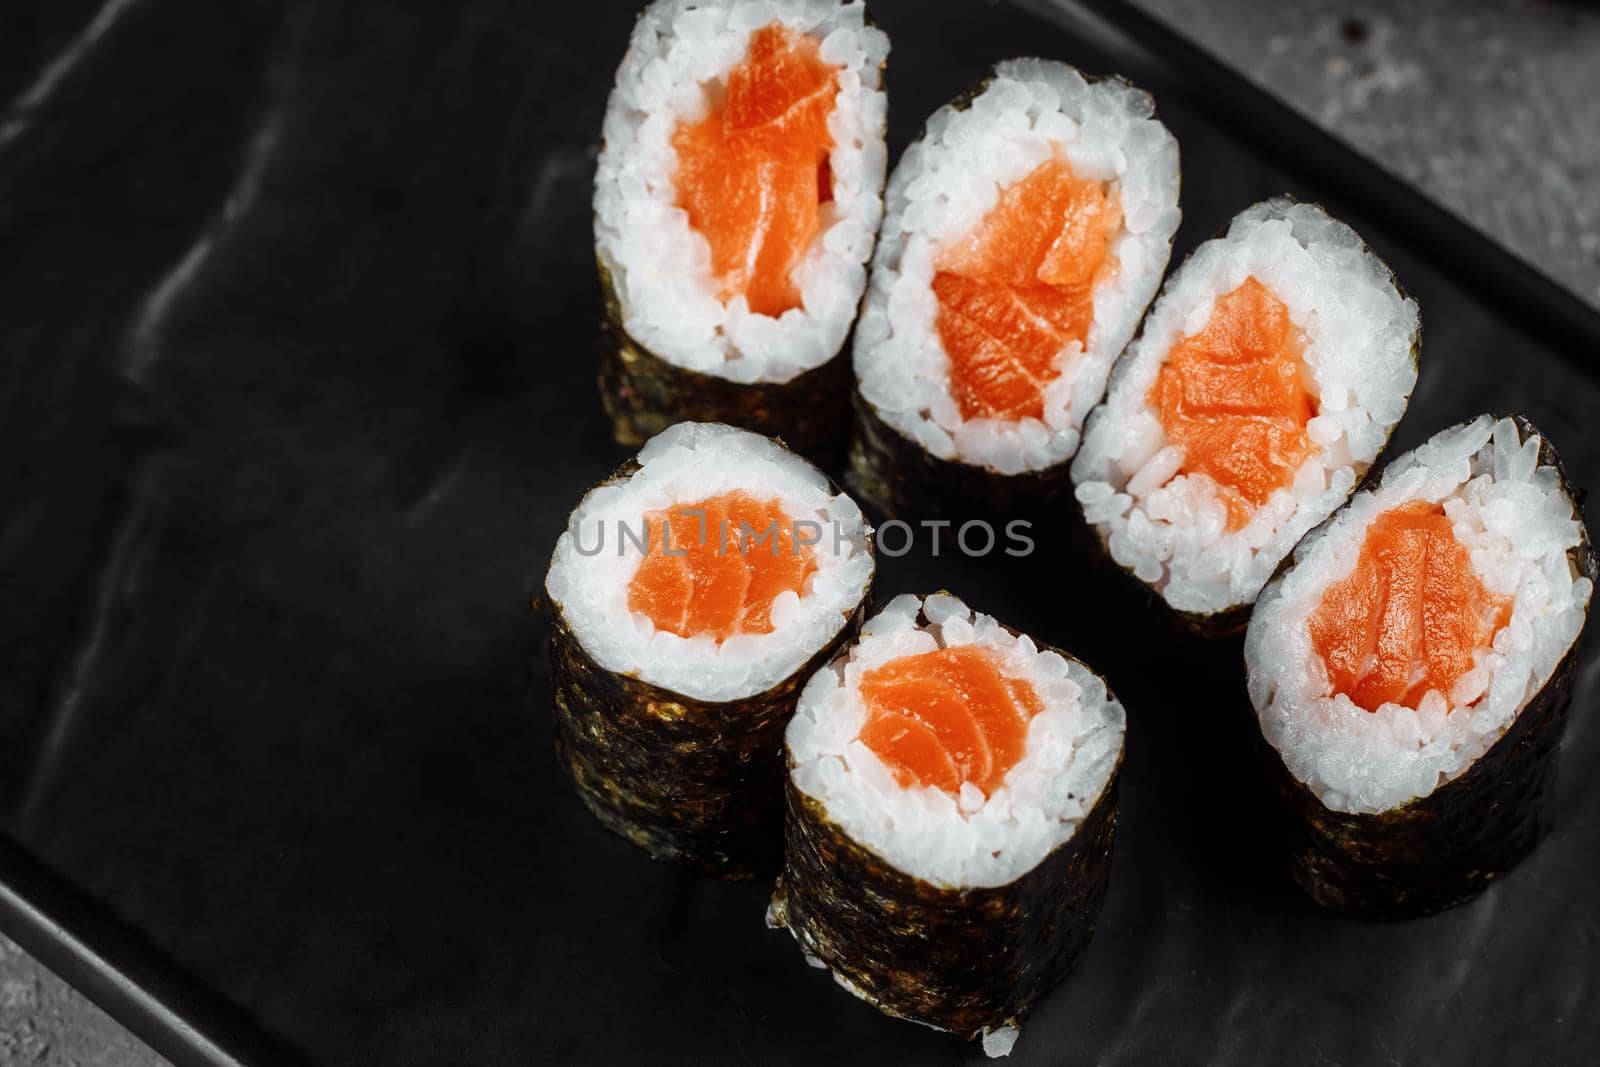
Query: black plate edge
[[131, 981]]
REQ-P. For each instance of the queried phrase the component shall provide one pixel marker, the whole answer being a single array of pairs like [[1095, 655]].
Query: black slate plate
[[297, 316]]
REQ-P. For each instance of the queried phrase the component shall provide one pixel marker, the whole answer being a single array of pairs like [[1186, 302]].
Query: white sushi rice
[[1074, 745], [1170, 529], [940, 191], [677, 63], [683, 464], [1517, 524]]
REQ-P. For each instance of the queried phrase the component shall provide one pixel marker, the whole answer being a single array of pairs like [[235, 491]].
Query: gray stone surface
[[46, 1023], [1492, 107]]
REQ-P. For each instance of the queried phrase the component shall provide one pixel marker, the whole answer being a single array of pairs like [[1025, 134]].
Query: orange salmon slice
[[715, 566], [1020, 287], [1409, 617], [1233, 397], [753, 174], [946, 717]]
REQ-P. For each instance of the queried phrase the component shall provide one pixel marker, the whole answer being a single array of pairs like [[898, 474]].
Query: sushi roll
[[1026, 231], [738, 192], [692, 594], [1410, 668], [1265, 383], [951, 810]]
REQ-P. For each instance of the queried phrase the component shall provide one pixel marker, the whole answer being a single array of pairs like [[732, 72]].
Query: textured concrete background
[[1492, 107], [46, 1022]]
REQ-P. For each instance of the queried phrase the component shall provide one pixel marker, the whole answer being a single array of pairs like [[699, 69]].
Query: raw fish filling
[[1409, 617], [1233, 397], [946, 717], [1015, 292], [753, 174], [715, 567]]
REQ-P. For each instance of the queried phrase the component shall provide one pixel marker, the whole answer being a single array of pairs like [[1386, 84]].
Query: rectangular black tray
[[298, 317]]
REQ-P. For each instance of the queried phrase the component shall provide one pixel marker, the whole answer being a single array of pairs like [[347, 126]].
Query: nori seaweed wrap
[[689, 781], [902, 479], [692, 594], [1410, 670], [644, 394], [951, 812]]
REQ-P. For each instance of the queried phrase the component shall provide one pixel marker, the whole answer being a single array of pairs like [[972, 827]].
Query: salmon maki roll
[[951, 811], [1026, 231], [692, 594], [1264, 385], [1410, 667], [737, 196]]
